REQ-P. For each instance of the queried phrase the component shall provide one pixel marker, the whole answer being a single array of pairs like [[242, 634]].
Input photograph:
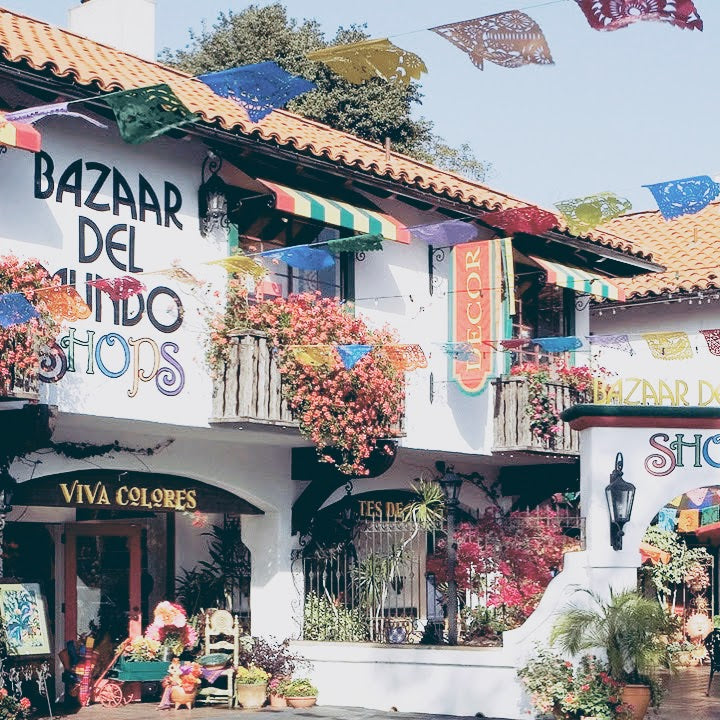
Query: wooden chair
[[712, 643], [222, 634]]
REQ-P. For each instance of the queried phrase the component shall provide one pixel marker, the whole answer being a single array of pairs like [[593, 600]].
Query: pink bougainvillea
[[343, 412], [507, 560], [21, 344]]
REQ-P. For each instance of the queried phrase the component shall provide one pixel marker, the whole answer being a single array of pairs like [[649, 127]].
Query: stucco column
[[274, 599]]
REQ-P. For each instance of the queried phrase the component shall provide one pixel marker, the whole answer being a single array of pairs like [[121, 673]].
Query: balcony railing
[[512, 426], [20, 386], [249, 386]]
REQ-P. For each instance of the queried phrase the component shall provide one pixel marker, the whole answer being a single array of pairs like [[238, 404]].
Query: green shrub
[[325, 621]]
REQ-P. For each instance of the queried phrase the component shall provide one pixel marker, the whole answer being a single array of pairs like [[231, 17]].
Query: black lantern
[[7, 488], [620, 496], [451, 483], [212, 197]]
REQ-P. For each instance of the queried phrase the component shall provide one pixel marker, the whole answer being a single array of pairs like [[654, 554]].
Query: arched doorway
[[122, 541], [679, 555]]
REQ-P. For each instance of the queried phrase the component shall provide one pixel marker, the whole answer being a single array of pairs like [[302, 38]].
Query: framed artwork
[[23, 616]]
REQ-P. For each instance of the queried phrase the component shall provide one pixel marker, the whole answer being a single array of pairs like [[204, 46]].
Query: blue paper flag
[[666, 519], [352, 354], [302, 257], [461, 351], [259, 88], [558, 344], [445, 234], [684, 197], [15, 310]]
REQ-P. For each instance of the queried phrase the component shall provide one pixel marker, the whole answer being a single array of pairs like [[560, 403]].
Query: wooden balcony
[[512, 431], [19, 387], [249, 387]]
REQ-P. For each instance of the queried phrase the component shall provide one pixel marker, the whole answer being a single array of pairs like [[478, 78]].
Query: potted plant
[[12, 708], [276, 689], [251, 686], [300, 693], [631, 630], [559, 689]]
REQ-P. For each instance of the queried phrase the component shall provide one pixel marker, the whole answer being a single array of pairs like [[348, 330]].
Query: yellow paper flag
[[241, 265]]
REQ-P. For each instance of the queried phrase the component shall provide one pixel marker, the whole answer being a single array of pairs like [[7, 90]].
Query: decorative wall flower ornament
[[616, 14], [361, 61], [510, 39]]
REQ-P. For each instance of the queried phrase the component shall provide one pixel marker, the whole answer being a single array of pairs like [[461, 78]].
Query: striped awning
[[334, 212], [19, 135], [579, 280]]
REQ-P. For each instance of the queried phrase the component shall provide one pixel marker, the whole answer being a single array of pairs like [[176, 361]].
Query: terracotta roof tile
[[67, 55], [687, 246]]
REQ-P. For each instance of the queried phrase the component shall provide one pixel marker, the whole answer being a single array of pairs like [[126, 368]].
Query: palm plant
[[631, 629]]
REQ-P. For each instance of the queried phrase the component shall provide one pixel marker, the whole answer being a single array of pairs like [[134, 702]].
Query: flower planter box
[[143, 671], [511, 422]]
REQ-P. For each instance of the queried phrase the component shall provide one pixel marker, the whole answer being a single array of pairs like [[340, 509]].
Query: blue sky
[[616, 111]]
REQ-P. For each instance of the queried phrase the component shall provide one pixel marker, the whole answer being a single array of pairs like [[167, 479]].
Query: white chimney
[[125, 24]]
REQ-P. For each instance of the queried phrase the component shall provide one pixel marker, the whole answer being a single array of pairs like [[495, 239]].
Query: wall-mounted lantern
[[212, 196], [620, 495]]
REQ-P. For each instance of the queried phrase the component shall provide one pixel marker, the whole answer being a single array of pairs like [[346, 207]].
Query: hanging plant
[[21, 345], [344, 412], [545, 422]]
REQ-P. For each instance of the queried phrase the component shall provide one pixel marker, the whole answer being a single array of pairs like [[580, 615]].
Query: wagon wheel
[[111, 695]]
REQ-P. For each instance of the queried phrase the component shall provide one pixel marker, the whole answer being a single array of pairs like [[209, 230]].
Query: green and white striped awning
[[334, 212], [579, 280]]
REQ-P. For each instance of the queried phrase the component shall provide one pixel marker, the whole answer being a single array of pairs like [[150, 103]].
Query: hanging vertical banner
[[477, 312], [509, 273]]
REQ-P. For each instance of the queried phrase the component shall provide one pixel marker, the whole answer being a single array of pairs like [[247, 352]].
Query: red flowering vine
[[344, 412], [20, 345], [545, 421]]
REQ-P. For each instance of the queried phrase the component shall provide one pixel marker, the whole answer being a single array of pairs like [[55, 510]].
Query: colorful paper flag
[[510, 39], [584, 214], [259, 88], [177, 273], [302, 257], [405, 357], [32, 114], [461, 351], [688, 521], [352, 354], [361, 61], [614, 342], [356, 243], [15, 310], [145, 113], [240, 265], [558, 344], [684, 197], [710, 515], [616, 14], [316, 356], [667, 517], [669, 345], [712, 338], [528, 220], [64, 303], [445, 234], [120, 288]]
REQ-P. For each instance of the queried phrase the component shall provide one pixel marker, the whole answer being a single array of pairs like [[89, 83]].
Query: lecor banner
[[476, 311]]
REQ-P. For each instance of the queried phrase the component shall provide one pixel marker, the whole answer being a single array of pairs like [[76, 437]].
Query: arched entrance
[[679, 554], [119, 542]]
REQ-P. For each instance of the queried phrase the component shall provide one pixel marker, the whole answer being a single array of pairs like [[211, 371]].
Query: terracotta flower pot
[[251, 696], [278, 701], [639, 697], [301, 702], [180, 697]]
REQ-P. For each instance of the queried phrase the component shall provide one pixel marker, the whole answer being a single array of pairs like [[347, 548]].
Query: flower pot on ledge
[[301, 702]]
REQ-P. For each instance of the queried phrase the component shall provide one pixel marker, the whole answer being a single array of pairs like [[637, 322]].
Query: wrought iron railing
[[377, 588], [513, 424]]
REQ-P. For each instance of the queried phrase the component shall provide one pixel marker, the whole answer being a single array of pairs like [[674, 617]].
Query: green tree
[[374, 110]]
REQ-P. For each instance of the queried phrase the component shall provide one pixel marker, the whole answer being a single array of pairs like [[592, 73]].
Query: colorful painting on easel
[[23, 618]]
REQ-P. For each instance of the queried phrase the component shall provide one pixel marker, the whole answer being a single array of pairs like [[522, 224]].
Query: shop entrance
[[103, 567]]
